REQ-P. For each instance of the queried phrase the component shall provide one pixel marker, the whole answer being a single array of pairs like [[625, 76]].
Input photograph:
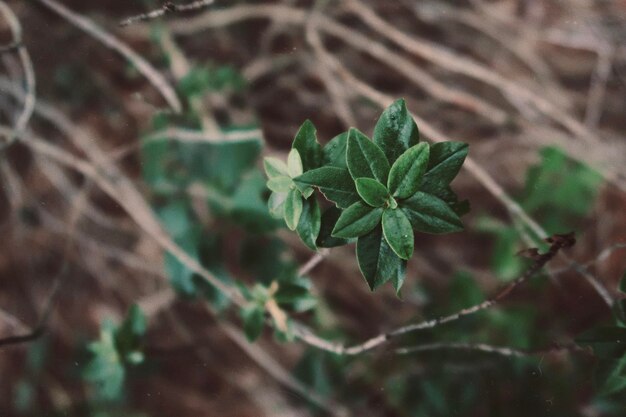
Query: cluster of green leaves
[[118, 349], [609, 346], [558, 191], [224, 176], [383, 189]]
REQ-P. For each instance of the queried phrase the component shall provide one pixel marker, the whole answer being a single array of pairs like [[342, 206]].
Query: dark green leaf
[[396, 131], [406, 173], [446, 194], [429, 214], [365, 159], [309, 224], [444, 163], [293, 209], [335, 183], [610, 376], [334, 152], [325, 238], [377, 261], [357, 220], [371, 191], [622, 284], [307, 145], [398, 232], [253, 319]]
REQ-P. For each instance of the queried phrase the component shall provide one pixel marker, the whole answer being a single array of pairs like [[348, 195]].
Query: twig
[[13, 46], [292, 15], [143, 66], [482, 347], [196, 136], [557, 242], [597, 90], [29, 73], [167, 8], [470, 68], [313, 262], [278, 372], [40, 328]]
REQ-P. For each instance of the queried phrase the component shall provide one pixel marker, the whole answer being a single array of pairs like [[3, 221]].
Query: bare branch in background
[[29, 73], [557, 242], [156, 79], [167, 8]]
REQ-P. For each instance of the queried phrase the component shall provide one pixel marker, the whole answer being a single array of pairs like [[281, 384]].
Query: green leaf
[[220, 163], [371, 191], [276, 205], [444, 163], [274, 167], [335, 183], [294, 163], [622, 284], [307, 145], [249, 205], [446, 194], [398, 232], [378, 262], [365, 158], [396, 131], [429, 214], [406, 173], [334, 153], [357, 220], [253, 319], [105, 368], [129, 334], [325, 238], [280, 184], [309, 224], [293, 209]]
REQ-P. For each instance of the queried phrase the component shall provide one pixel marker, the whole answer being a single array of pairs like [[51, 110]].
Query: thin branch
[[482, 347], [41, 326], [313, 262], [557, 242], [29, 73], [143, 66], [167, 8], [469, 67], [13, 46], [196, 136], [597, 90]]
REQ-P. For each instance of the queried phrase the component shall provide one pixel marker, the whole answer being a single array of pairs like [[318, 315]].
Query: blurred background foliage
[[131, 333]]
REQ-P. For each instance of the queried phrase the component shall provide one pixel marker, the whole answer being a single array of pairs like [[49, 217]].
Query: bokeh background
[[536, 87]]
